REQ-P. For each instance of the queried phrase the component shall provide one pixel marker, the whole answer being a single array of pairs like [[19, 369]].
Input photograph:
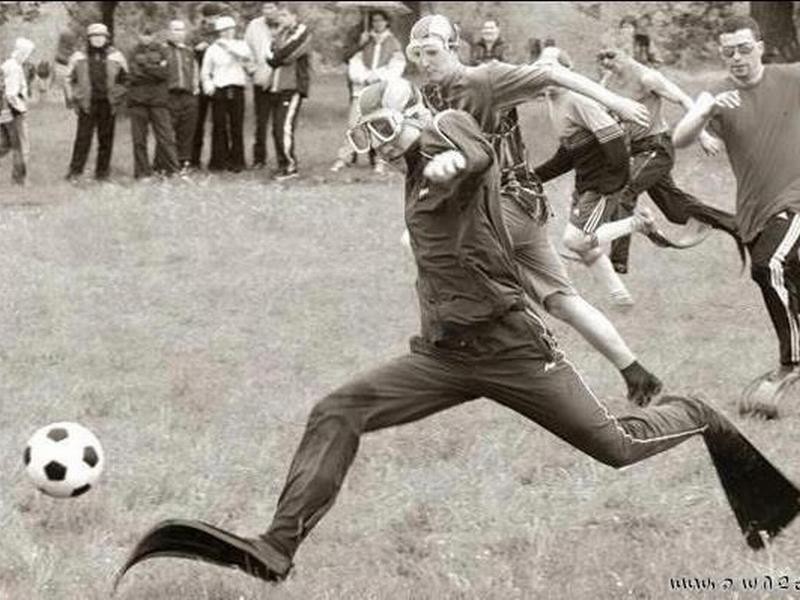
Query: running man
[[487, 92], [488, 342], [755, 110], [653, 155], [593, 144]]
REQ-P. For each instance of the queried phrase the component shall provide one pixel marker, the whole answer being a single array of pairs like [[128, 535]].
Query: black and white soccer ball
[[64, 459]]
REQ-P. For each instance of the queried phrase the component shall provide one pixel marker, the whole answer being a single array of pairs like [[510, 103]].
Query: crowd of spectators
[[178, 74], [170, 80]]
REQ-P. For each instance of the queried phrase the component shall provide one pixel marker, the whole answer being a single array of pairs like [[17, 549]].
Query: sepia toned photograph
[[399, 300]]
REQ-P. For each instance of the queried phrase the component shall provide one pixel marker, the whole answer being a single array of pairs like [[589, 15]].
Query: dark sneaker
[[197, 540], [643, 386]]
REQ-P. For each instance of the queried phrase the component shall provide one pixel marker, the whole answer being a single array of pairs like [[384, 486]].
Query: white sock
[[604, 271], [612, 230]]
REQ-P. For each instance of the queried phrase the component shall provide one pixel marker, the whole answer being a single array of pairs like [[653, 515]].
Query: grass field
[[192, 326]]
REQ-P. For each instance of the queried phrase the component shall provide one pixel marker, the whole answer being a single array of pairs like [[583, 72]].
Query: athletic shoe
[[338, 166], [284, 175], [622, 300], [643, 386], [643, 220], [764, 396], [196, 540]]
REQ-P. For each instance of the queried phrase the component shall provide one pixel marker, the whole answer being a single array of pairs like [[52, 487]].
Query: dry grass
[[192, 326]]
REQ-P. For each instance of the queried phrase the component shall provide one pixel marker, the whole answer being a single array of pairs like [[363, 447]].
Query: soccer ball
[[63, 459]]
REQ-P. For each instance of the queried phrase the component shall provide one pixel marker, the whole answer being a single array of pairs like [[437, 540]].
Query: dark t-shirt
[[762, 138]]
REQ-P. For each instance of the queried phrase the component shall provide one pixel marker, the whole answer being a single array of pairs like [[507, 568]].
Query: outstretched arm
[[699, 115], [510, 85], [626, 108]]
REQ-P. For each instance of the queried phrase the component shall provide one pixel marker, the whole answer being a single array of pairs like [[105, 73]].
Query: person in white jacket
[[14, 108], [379, 57], [224, 74]]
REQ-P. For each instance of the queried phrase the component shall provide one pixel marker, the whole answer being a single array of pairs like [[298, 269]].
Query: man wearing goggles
[[756, 112], [653, 156], [479, 337], [485, 92]]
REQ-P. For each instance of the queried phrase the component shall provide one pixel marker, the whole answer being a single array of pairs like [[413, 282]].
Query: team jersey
[[466, 273], [636, 87], [591, 142], [486, 92], [762, 138]]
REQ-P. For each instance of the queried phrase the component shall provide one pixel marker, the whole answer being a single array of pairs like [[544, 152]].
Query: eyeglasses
[[607, 54], [380, 127], [743, 49]]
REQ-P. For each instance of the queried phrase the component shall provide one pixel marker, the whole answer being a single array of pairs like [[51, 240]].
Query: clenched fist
[[443, 167]]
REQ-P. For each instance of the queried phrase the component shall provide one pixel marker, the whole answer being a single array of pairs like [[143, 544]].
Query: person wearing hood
[[95, 87], [14, 107]]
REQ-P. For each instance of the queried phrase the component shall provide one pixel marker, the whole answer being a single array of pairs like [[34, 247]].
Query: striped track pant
[[776, 270]]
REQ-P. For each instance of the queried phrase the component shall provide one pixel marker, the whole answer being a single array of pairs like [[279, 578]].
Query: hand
[[710, 144], [729, 99], [630, 110], [363, 38], [443, 167]]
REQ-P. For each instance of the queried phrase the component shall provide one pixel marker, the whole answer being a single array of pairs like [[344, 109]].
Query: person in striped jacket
[[290, 82]]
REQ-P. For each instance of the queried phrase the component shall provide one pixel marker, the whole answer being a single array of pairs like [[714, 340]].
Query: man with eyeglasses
[[480, 337], [487, 92], [653, 156], [755, 110]]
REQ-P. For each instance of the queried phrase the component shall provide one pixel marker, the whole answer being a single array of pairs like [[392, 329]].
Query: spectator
[[183, 84], [258, 36], [534, 49], [379, 57], [490, 47], [148, 98], [204, 36], [290, 83], [94, 87], [634, 39], [44, 77], [224, 75], [13, 109]]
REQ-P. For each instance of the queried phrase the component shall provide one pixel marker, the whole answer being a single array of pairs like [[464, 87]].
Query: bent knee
[[338, 409], [613, 455]]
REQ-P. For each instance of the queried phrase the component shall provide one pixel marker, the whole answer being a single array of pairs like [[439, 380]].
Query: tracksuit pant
[[158, 117], [505, 361], [101, 118], [227, 136], [183, 115], [203, 106], [183, 112], [775, 267], [287, 107], [265, 108], [652, 159]]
